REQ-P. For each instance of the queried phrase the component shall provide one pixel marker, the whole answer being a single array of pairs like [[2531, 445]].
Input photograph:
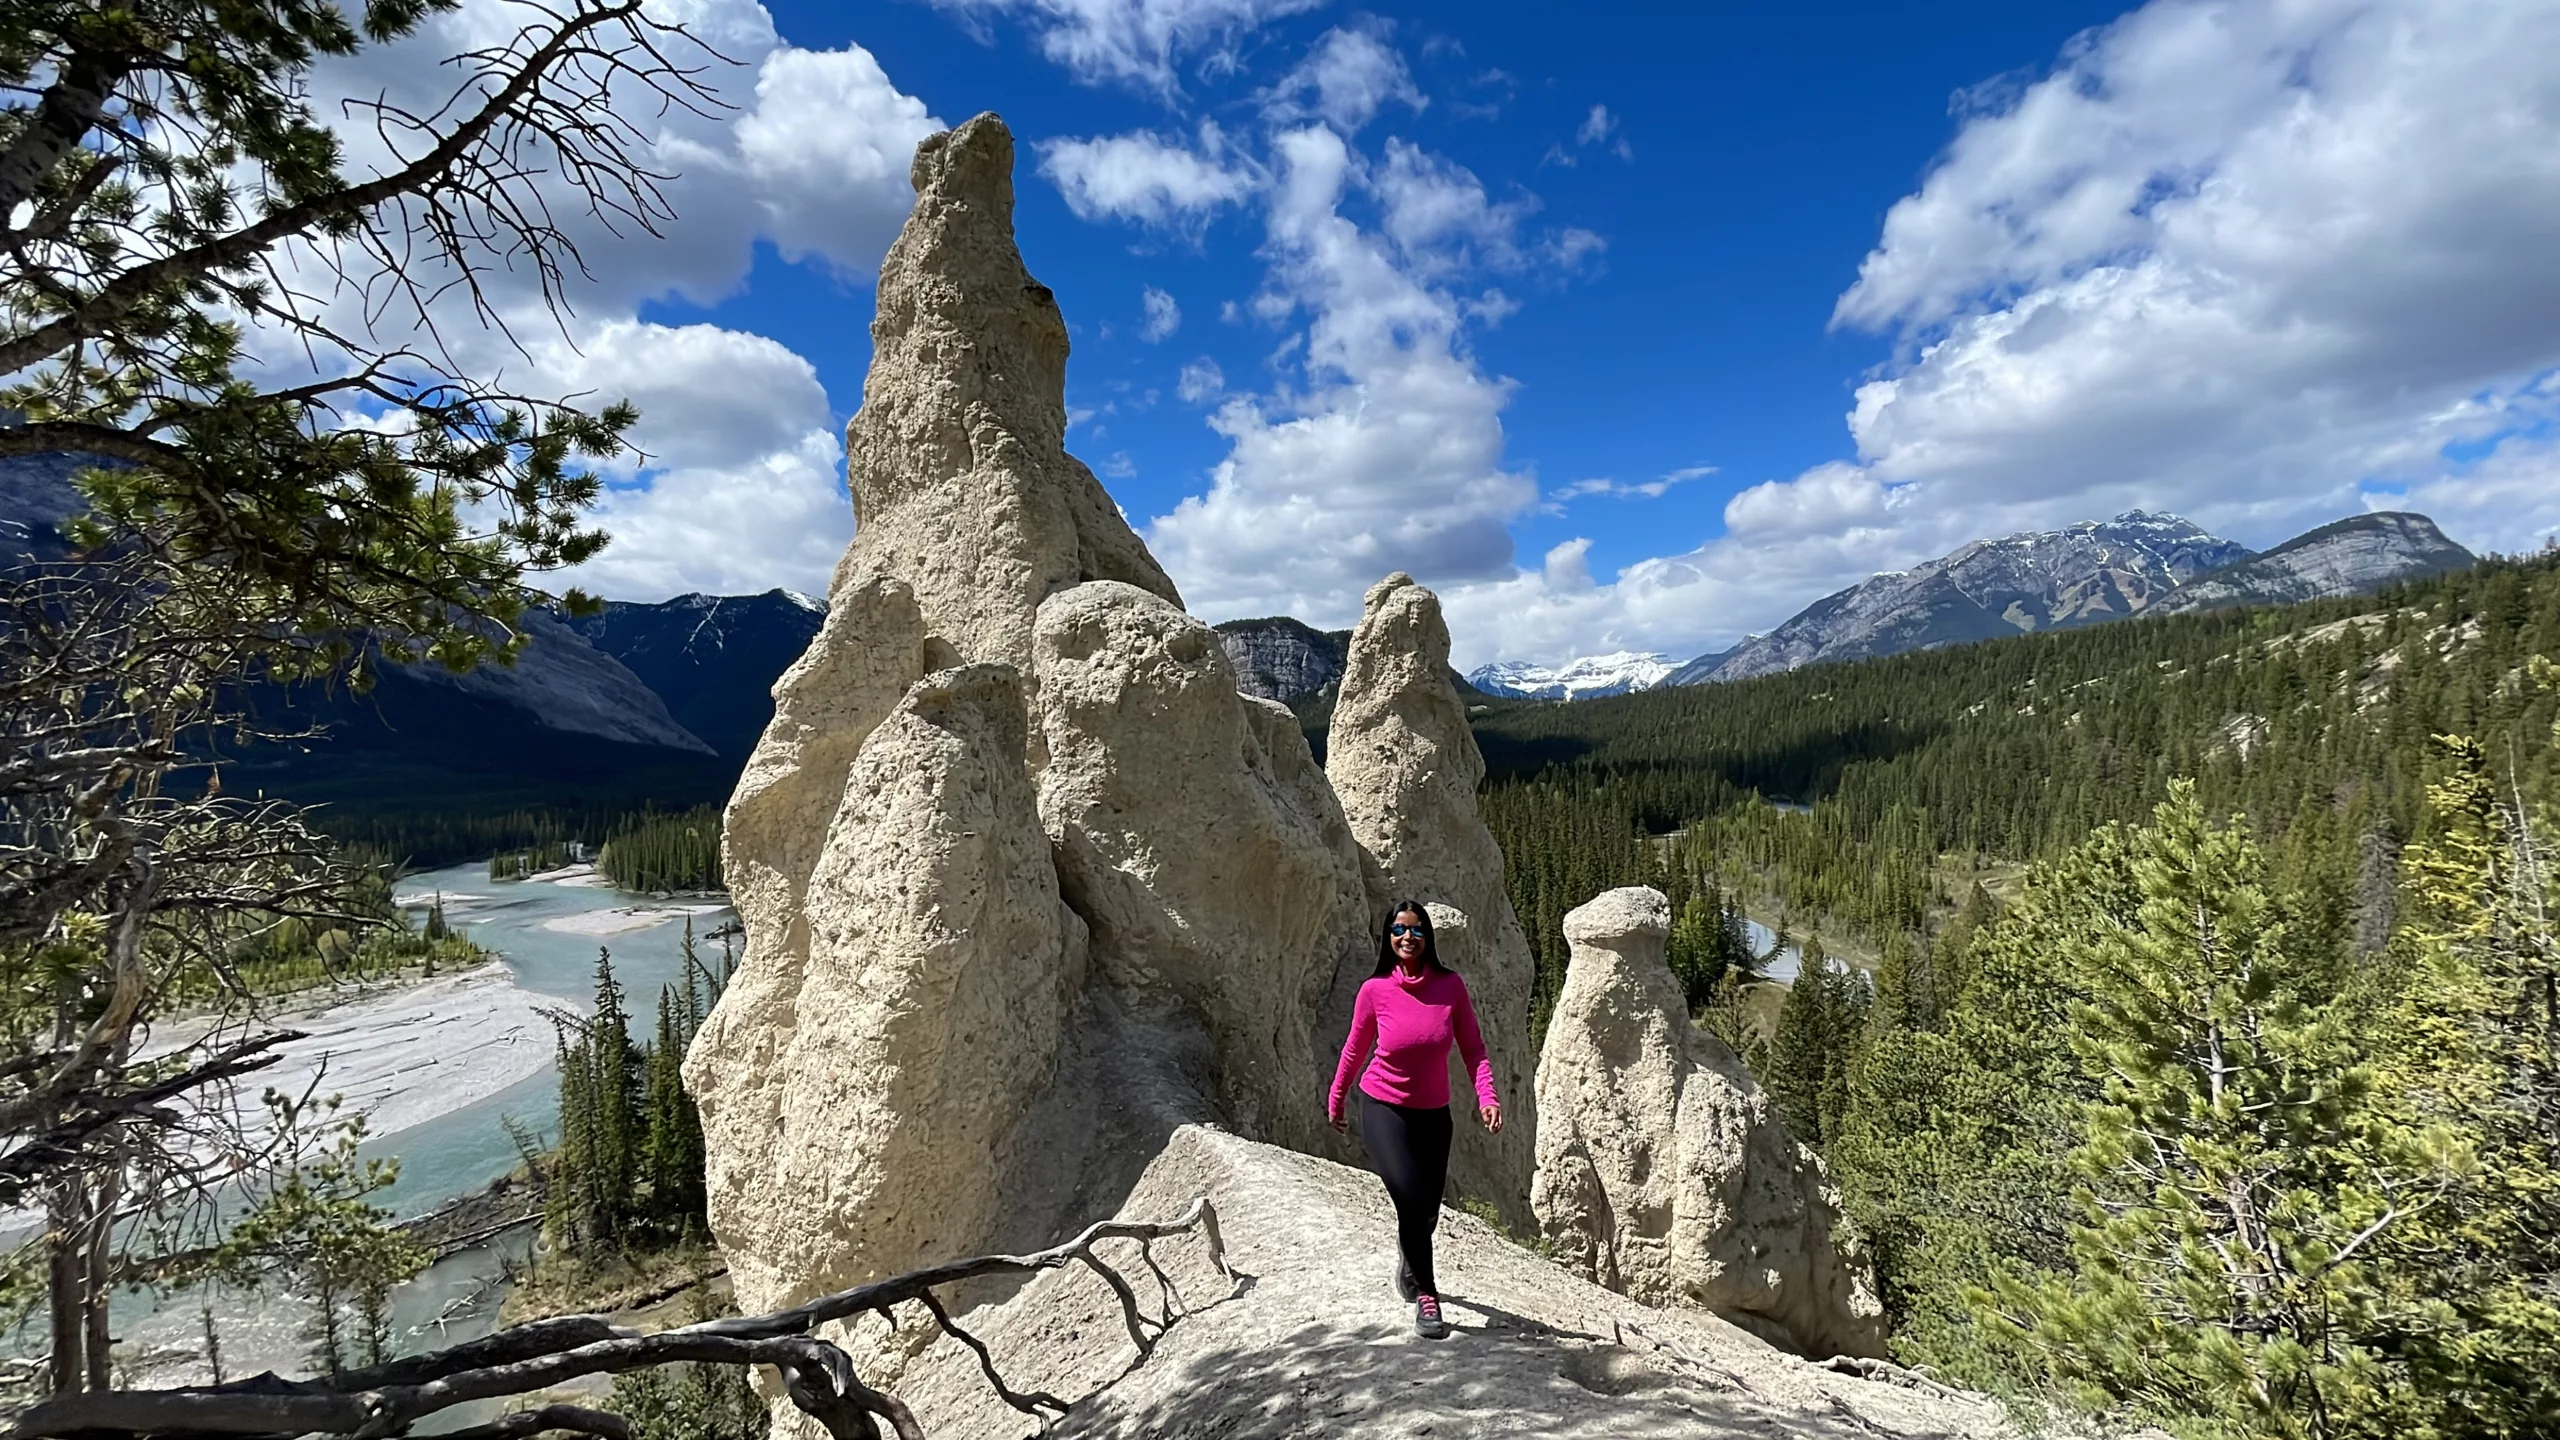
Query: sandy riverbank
[[627, 918], [401, 1056]]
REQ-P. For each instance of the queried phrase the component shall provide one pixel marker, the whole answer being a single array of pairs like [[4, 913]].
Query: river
[[1787, 964], [470, 1054]]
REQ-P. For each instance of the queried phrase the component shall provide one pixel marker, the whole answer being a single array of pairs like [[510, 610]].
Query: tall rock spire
[[1406, 768], [962, 484]]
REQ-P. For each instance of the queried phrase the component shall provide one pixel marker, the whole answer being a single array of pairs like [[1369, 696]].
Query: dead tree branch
[[817, 1375]]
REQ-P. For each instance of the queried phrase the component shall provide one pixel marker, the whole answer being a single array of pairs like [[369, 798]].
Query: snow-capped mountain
[[2035, 580], [1612, 674]]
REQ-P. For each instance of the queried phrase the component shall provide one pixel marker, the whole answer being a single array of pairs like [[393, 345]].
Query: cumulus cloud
[[825, 152], [2235, 258], [1351, 75], [1379, 444], [1388, 452], [805, 150], [1149, 178], [1160, 316], [2261, 264], [1141, 44]]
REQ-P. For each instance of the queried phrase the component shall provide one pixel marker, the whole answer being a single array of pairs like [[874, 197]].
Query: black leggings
[[1410, 1147]]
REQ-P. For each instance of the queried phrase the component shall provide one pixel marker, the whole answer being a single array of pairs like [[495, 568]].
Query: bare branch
[[818, 1376]]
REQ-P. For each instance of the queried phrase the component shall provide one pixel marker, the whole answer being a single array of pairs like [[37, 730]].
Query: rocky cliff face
[[1280, 658], [2093, 571], [1664, 1172], [2347, 557], [1029, 886]]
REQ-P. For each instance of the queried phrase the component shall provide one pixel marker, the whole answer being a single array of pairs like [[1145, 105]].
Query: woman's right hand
[[1339, 1121]]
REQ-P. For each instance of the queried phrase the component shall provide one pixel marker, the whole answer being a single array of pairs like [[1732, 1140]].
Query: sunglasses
[[1400, 931]]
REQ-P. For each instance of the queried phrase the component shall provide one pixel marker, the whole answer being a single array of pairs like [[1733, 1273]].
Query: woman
[[1409, 1010]]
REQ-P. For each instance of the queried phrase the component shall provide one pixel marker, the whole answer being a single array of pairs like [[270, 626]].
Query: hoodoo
[[1407, 767], [1663, 1171], [1045, 920]]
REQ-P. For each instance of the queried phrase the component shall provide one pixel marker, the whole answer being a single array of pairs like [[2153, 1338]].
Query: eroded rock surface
[[1406, 767], [1193, 834], [962, 484], [1033, 896], [1664, 1172], [1318, 1345], [863, 1118]]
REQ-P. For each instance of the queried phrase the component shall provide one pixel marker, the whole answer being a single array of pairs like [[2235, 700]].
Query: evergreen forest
[[2199, 1064]]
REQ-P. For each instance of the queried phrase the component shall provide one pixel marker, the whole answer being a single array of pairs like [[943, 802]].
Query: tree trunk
[[100, 1278], [66, 1286]]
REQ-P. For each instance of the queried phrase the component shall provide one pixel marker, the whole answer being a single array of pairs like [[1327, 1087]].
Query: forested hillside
[[2312, 719], [2208, 1070]]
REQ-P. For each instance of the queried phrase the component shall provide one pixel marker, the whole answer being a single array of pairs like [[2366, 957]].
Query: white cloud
[[1146, 177], [1596, 127], [2262, 264], [776, 518], [826, 152], [1568, 566], [1653, 489], [744, 487], [1440, 217], [1161, 315], [2236, 259], [1200, 380], [1351, 75], [806, 150], [1138, 43], [1388, 456]]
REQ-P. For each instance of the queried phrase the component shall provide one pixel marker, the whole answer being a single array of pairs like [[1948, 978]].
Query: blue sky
[[1637, 329]]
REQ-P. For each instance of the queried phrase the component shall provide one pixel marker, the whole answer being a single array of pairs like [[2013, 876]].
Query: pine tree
[[2236, 1170], [672, 1150], [2472, 1048], [1813, 1048]]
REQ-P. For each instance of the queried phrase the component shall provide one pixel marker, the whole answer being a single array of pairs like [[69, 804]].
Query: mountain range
[[2098, 570], [680, 689], [1616, 673]]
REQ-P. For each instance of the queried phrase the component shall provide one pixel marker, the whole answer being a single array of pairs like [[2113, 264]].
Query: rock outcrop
[[865, 1114], [1317, 1345], [1213, 873], [1406, 768], [962, 484], [1032, 894], [1664, 1172], [2035, 580], [1280, 658], [2354, 556], [922, 1053]]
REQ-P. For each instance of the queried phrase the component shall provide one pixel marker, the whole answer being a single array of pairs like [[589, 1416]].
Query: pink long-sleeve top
[[1409, 1022]]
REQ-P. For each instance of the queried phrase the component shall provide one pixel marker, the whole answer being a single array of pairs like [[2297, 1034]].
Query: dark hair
[[1387, 952]]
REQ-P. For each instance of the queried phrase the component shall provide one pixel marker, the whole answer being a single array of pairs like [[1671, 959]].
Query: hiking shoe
[[1406, 1289], [1426, 1318]]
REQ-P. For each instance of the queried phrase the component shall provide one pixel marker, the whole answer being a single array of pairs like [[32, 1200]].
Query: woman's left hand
[[1491, 1115]]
